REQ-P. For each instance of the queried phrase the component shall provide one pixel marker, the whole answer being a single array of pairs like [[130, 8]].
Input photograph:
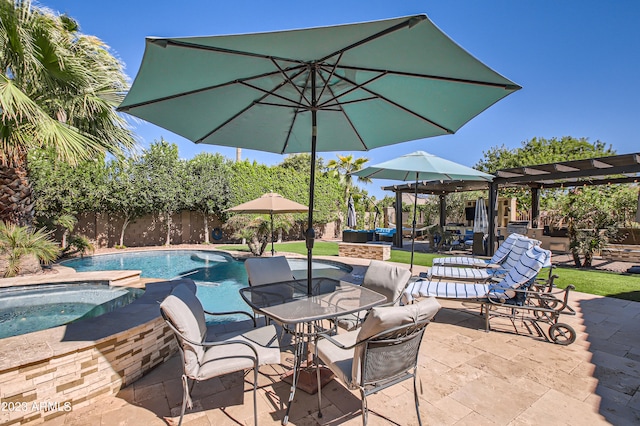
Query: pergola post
[[535, 207], [638, 211], [493, 213], [443, 210], [397, 237]]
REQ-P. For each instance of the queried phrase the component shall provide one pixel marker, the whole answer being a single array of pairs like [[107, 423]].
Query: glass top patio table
[[287, 302]]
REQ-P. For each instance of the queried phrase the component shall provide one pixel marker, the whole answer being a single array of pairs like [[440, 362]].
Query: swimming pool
[[26, 309], [218, 275]]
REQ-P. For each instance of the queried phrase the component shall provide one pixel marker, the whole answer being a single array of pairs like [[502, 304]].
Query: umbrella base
[[308, 382]]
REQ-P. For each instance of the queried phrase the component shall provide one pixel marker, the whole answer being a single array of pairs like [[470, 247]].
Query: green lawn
[[621, 286]]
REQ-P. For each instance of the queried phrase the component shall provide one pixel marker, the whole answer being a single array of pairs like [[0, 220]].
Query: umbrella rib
[[255, 102], [187, 45], [290, 80], [272, 93], [293, 120], [435, 77], [331, 73], [397, 105], [356, 87], [346, 116], [199, 90], [408, 23]]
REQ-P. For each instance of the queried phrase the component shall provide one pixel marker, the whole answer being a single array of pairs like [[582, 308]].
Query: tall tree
[[164, 172], [128, 194], [207, 187], [58, 89], [62, 191], [540, 151]]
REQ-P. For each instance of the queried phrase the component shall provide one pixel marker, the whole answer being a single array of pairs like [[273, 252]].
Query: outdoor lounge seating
[[382, 353], [357, 236], [523, 273], [519, 245], [385, 234], [518, 292], [516, 296], [206, 355], [498, 257], [383, 278]]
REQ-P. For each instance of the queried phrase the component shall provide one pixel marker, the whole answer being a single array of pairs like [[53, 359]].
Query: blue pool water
[[26, 309], [218, 275]]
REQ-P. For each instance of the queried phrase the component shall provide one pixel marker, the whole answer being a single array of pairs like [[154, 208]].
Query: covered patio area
[[616, 169]]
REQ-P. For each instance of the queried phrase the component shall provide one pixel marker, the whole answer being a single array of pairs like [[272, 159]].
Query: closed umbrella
[[342, 88], [351, 213], [421, 166], [481, 220], [269, 203]]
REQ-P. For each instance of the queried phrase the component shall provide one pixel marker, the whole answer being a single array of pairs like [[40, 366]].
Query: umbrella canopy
[[423, 166], [270, 203], [342, 88], [351, 213], [481, 220]]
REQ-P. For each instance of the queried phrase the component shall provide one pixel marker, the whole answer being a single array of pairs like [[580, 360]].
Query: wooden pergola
[[616, 169]]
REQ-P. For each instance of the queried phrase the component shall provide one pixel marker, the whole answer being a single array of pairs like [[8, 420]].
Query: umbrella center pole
[[310, 233]]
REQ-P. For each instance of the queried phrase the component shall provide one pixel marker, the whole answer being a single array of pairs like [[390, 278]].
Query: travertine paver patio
[[467, 377]]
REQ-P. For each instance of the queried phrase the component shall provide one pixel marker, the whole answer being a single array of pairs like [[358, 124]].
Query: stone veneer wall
[[621, 252], [72, 370], [365, 251]]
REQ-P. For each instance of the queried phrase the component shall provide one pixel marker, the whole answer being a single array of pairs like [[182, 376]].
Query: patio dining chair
[[382, 353], [384, 278], [206, 355], [268, 270]]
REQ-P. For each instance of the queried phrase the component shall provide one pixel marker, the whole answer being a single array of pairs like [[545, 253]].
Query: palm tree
[[343, 169], [58, 89], [17, 242]]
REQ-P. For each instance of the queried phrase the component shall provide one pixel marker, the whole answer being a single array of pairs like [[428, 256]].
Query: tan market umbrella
[[269, 203]]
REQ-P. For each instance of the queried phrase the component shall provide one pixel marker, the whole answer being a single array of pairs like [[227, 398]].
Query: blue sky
[[578, 61]]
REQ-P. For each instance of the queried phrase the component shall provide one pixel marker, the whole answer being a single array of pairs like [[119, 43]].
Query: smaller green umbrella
[[421, 166]]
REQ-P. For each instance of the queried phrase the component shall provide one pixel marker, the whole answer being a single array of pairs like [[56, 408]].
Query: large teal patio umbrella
[[342, 88], [421, 166]]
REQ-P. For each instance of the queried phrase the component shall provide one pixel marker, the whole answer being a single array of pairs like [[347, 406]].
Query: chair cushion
[[505, 248], [266, 270], [185, 312], [380, 319], [473, 274], [339, 360], [525, 271], [386, 279], [520, 245], [445, 290], [223, 359]]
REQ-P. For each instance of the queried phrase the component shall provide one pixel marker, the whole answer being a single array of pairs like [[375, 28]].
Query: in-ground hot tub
[[25, 309], [47, 373]]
